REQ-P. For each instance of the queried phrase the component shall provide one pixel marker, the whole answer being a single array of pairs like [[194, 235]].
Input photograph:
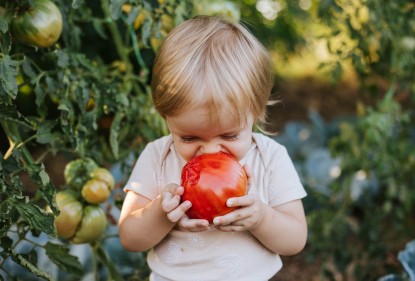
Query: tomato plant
[[209, 180], [77, 222], [74, 84], [39, 25]]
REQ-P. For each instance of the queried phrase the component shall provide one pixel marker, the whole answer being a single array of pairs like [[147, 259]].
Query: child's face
[[194, 134]]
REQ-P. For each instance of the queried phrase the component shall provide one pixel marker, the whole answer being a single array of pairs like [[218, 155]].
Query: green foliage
[[88, 95], [372, 36], [371, 206]]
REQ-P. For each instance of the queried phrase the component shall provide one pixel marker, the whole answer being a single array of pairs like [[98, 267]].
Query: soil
[[298, 268], [300, 96]]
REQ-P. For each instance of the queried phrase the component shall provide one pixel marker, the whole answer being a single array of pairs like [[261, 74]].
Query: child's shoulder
[[270, 150], [266, 143], [161, 142], [159, 148]]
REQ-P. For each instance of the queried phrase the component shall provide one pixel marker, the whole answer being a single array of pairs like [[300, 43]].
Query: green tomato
[[95, 191], [78, 172], [40, 25], [24, 86], [105, 176], [70, 215], [93, 224]]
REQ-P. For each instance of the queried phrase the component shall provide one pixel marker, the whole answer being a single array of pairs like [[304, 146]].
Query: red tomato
[[209, 180]]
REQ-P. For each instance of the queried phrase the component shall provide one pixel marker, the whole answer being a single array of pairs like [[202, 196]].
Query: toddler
[[211, 82]]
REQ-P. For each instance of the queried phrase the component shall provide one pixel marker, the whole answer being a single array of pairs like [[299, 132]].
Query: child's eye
[[188, 139], [230, 137]]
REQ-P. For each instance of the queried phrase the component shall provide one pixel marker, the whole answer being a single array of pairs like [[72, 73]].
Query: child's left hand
[[247, 217], [193, 225]]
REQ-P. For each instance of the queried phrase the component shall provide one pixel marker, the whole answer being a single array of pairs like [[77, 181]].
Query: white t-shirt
[[213, 254]]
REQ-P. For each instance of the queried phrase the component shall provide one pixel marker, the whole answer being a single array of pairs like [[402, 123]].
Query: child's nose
[[208, 148]]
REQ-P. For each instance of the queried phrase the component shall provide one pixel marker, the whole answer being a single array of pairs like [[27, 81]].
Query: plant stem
[[94, 260], [116, 36], [112, 269], [13, 134]]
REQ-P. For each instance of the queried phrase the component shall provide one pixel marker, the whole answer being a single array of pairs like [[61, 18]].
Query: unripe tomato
[[76, 222], [70, 216], [23, 85], [78, 171], [92, 225], [104, 175], [95, 191], [40, 25], [209, 180]]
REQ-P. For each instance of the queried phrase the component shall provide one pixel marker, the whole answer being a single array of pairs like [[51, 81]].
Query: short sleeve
[[284, 182], [143, 179]]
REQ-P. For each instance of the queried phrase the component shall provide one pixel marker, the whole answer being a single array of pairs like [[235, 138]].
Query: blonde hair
[[209, 61]]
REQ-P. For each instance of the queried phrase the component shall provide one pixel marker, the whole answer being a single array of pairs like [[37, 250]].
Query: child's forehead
[[203, 118]]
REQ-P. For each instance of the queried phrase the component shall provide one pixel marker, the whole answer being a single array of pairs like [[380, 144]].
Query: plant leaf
[[20, 259], [9, 112], [39, 176], [59, 255], [114, 134], [44, 132], [115, 9], [37, 218], [8, 74], [3, 25]]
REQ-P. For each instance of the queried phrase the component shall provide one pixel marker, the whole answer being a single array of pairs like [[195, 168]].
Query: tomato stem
[[15, 140], [94, 260], [122, 51]]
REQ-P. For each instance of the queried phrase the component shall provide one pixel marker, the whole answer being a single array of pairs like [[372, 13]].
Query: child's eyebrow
[[232, 132]]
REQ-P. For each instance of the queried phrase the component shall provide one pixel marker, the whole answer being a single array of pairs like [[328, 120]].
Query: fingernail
[[188, 204], [229, 203], [216, 221]]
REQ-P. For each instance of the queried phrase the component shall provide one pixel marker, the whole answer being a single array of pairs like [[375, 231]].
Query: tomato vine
[[82, 94]]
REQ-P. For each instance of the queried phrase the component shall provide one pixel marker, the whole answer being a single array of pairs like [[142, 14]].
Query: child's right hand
[[176, 212], [170, 202]]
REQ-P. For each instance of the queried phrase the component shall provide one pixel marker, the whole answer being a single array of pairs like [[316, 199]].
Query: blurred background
[[79, 99]]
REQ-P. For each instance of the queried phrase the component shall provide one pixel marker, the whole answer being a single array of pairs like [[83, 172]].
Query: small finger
[[230, 218], [242, 201], [230, 228], [170, 202], [178, 212], [172, 188], [180, 190], [193, 223]]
